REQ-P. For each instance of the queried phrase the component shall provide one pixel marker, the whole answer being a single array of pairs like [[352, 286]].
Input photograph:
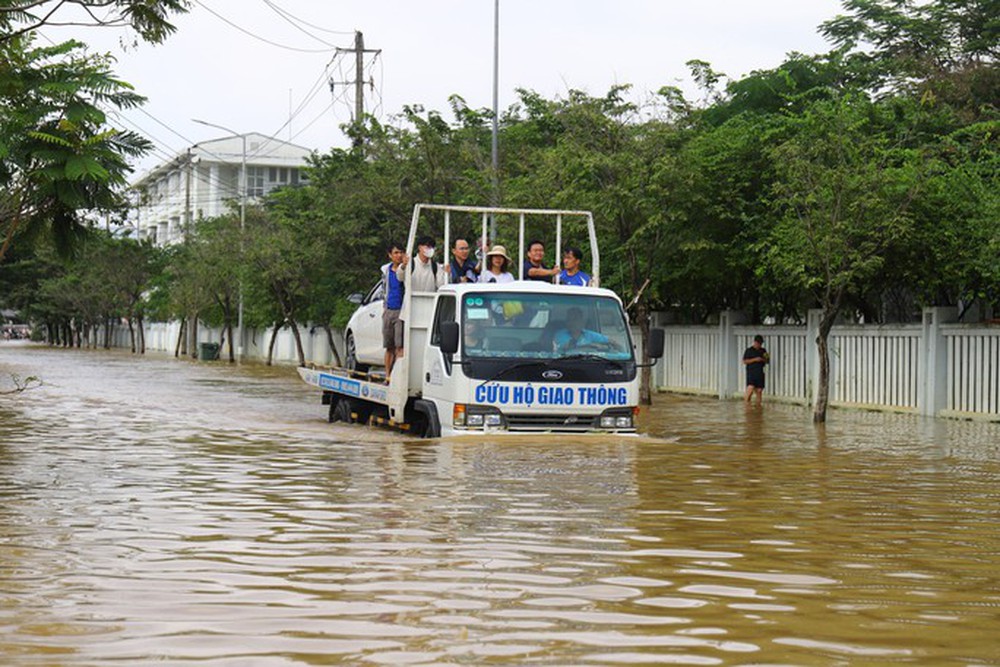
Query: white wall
[[162, 337]]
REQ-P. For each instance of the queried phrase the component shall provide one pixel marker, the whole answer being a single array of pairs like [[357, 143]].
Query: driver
[[574, 336]]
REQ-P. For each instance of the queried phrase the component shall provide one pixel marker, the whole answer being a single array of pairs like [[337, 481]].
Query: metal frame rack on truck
[[521, 356]]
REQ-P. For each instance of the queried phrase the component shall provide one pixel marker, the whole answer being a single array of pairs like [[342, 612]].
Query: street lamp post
[[495, 152], [243, 217]]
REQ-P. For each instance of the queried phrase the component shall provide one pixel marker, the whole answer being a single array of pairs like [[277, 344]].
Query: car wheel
[[351, 358]]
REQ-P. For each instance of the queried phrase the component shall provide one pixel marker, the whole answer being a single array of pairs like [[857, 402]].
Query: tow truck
[[518, 357]]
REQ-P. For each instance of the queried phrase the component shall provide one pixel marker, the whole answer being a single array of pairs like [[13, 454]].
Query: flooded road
[[171, 512]]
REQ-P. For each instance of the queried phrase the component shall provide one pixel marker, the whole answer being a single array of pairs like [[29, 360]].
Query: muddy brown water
[[155, 511]]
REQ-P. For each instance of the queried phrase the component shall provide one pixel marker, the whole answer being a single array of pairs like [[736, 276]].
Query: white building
[[204, 181]]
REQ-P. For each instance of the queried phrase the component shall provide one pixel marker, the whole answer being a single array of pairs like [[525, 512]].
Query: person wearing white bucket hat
[[497, 264]]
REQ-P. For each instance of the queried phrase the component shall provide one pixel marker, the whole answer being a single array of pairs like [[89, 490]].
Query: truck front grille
[[536, 422]]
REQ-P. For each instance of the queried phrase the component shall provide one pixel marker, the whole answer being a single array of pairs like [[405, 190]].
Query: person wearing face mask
[[428, 275]]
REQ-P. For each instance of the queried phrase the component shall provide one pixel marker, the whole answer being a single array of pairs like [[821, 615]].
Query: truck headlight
[[617, 418], [478, 416]]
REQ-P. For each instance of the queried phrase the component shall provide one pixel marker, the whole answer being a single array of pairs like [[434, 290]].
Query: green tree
[[59, 157], [842, 198], [946, 49], [598, 156], [150, 19]]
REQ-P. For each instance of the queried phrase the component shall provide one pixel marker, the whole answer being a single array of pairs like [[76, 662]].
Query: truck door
[[438, 369]]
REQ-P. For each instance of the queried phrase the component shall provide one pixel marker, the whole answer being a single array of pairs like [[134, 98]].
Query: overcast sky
[[219, 68]]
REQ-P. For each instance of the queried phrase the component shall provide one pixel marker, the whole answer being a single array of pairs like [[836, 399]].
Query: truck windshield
[[543, 326]]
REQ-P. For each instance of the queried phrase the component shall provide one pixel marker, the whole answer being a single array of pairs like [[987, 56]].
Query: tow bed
[[353, 397]]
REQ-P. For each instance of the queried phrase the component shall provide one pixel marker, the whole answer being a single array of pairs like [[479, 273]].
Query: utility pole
[[359, 52]]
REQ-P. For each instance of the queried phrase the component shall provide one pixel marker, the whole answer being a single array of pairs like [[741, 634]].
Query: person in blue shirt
[[392, 326], [571, 273], [575, 338]]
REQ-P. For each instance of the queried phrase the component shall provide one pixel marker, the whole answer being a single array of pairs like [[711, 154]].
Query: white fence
[[930, 368], [973, 387], [162, 337]]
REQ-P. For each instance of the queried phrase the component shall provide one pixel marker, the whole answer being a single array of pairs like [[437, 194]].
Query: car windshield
[[543, 326]]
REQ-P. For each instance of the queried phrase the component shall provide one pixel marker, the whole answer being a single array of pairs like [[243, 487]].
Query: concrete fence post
[[932, 364], [728, 353]]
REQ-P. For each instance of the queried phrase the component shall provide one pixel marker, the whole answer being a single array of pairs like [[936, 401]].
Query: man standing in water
[[392, 325], [755, 358]]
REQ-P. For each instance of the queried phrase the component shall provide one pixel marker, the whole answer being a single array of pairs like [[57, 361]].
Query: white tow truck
[[522, 356]]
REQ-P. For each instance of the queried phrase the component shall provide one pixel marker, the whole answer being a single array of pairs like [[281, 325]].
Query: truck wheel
[[424, 420], [341, 411], [351, 358]]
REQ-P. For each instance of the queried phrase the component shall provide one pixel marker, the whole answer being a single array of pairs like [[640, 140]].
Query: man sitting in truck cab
[[575, 337]]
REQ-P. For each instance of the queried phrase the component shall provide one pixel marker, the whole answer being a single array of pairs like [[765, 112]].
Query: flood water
[[173, 512]]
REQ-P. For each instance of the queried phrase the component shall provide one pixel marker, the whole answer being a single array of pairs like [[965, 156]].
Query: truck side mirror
[[655, 343], [357, 298], [449, 337]]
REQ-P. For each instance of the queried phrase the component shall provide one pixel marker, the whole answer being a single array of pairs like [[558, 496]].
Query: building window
[[256, 177]]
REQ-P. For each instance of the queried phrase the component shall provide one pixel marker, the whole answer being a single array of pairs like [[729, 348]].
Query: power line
[[289, 18], [254, 35], [303, 22]]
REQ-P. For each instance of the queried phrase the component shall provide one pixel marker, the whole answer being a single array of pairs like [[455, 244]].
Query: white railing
[[973, 385], [694, 354], [929, 368], [875, 366]]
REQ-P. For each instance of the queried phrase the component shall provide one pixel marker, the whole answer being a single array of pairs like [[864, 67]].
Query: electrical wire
[[254, 35], [280, 12], [167, 153], [303, 22]]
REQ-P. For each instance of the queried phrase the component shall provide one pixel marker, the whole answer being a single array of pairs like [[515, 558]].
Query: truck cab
[[527, 356]]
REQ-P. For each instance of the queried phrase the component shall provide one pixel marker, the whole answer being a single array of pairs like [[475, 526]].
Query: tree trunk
[[646, 379], [270, 347], [822, 346], [193, 352], [232, 341], [131, 334], [181, 338], [333, 348], [298, 342], [142, 335]]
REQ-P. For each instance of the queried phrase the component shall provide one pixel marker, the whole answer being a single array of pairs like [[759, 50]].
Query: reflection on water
[[156, 510]]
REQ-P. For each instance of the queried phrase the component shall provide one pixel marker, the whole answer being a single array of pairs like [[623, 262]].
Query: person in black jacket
[[755, 358]]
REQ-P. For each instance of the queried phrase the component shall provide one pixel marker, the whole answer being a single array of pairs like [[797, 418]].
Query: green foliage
[[843, 194], [60, 159], [108, 279], [148, 18]]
